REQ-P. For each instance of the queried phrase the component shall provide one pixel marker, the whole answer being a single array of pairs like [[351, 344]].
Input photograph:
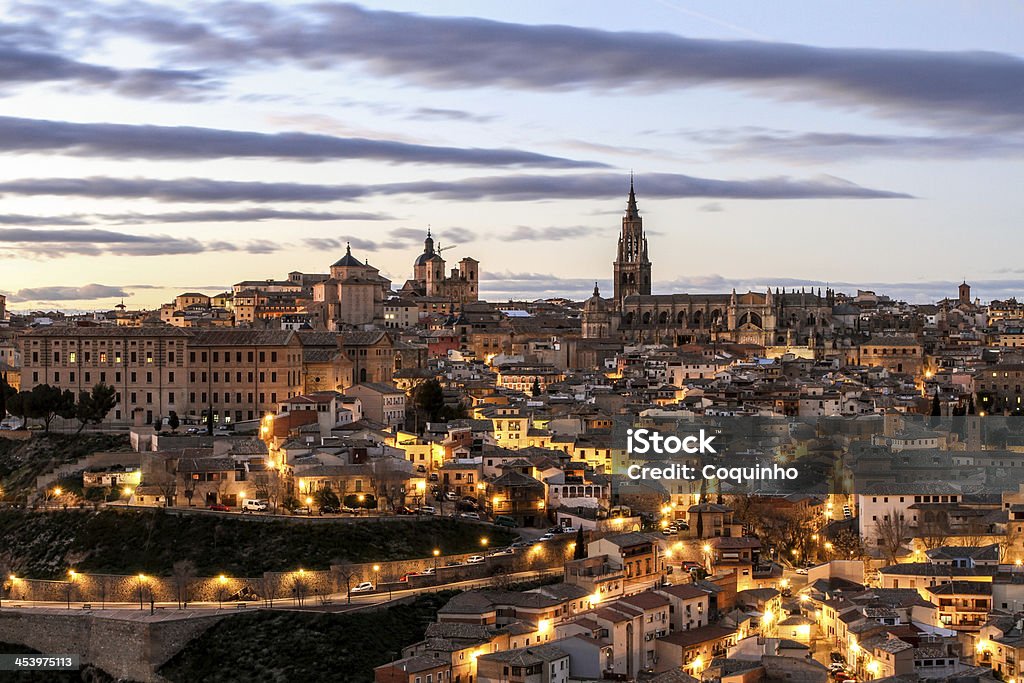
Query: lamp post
[[437, 553], [71, 584], [309, 506], [376, 575], [221, 582], [142, 580], [484, 542]]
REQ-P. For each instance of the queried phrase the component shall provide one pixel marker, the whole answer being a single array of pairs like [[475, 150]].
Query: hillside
[[44, 545], [22, 461], [279, 646]]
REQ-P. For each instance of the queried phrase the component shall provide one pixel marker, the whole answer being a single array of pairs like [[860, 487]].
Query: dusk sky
[[154, 148]]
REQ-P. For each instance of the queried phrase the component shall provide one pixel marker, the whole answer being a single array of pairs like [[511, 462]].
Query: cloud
[[552, 234], [23, 219], [827, 147], [122, 141], [52, 244], [84, 293], [398, 238], [254, 215], [967, 88], [597, 186], [438, 114], [25, 65]]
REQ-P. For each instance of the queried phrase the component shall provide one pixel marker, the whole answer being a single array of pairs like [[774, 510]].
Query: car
[[255, 506], [222, 429], [348, 511], [569, 530], [329, 510], [453, 563], [469, 515], [219, 507], [304, 510], [801, 570], [426, 510], [403, 510], [835, 667], [519, 544], [433, 477], [844, 676], [451, 495], [502, 551], [546, 537], [555, 530], [837, 657], [474, 559], [363, 587], [690, 566], [427, 572], [668, 531], [421, 468], [506, 521], [193, 430]]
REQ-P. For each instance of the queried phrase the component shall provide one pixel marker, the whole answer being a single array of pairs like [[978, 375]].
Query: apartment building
[[148, 366]]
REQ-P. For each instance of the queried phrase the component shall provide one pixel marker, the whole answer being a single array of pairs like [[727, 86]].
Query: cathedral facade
[[769, 318], [429, 279]]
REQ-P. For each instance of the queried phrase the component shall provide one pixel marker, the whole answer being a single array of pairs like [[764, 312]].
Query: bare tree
[[270, 584], [934, 529], [300, 587], [183, 573], [388, 478], [892, 531], [347, 572], [848, 544]]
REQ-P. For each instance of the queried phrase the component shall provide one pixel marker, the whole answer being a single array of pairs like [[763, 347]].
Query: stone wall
[[127, 647]]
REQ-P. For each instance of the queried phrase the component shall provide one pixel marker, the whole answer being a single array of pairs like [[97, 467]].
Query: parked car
[[364, 587], [836, 657], [502, 551], [255, 506], [546, 537], [451, 495], [349, 511], [469, 515], [801, 570], [474, 559], [505, 520], [555, 530], [427, 572], [569, 530], [426, 510], [403, 510], [453, 563], [433, 477], [219, 507], [304, 510], [329, 510]]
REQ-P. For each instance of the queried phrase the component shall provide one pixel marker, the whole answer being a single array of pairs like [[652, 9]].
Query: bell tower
[[632, 266]]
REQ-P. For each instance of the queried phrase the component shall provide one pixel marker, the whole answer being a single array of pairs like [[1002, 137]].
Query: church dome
[[595, 304], [428, 251]]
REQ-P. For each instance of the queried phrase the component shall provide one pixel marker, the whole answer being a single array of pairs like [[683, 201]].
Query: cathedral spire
[[597, 292], [631, 210]]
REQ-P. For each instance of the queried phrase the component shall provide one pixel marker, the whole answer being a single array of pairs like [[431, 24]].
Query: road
[[335, 602]]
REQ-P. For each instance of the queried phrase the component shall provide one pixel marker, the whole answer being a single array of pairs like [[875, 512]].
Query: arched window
[[663, 318], [629, 318], [681, 318], [715, 319], [362, 374], [698, 318], [647, 318]]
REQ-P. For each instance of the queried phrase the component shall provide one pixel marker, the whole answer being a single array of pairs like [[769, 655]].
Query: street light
[[142, 580], [72, 575], [376, 574], [484, 541], [309, 506], [437, 552], [221, 580]]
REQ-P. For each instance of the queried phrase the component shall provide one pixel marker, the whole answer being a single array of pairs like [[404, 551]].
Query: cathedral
[[770, 318], [429, 278]]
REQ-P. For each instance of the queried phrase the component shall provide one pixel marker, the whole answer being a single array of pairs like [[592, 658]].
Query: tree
[[43, 402], [848, 544], [183, 573], [580, 551], [934, 529], [158, 423], [6, 392], [892, 530], [347, 572], [172, 421], [270, 584], [428, 398], [326, 497], [93, 407], [535, 389]]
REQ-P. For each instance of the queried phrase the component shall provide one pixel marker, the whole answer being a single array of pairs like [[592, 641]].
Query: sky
[[148, 148]]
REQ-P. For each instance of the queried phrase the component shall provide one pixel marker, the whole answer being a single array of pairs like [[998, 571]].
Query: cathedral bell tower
[[632, 266]]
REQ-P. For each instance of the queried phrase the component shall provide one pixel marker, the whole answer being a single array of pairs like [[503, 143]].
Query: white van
[[254, 506]]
